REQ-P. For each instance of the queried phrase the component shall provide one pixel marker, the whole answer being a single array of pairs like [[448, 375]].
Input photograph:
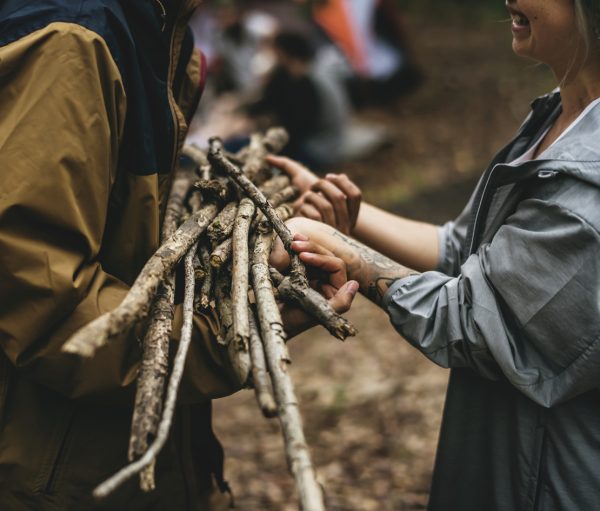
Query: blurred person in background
[[381, 65], [507, 294], [311, 105]]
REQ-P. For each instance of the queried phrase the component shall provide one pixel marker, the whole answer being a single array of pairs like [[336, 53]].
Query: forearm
[[409, 242], [374, 272]]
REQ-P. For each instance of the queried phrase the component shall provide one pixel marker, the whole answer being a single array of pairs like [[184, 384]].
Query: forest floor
[[372, 405]]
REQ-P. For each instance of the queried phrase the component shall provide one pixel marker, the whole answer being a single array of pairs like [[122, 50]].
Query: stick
[[222, 253], [222, 226], [273, 185], [239, 274], [260, 376], [204, 296], [215, 189], [298, 456], [149, 456], [216, 158], [239, 358], [155, 361], [309, 300], [136, 304], [260, 146]]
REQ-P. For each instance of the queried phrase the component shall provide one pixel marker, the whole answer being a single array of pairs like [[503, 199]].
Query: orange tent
[[335, 20]]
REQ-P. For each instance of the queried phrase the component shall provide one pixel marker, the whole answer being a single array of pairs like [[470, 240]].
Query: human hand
[[302, 178], [334, 200], [326, 274]]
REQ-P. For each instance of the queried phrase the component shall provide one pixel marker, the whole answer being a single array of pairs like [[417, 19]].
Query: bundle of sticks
[[221, 219]]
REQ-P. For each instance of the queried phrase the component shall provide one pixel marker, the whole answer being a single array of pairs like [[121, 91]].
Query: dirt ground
[[372, 406]]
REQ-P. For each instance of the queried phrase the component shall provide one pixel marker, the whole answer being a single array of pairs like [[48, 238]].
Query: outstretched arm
[[373, 271], [336, 201]]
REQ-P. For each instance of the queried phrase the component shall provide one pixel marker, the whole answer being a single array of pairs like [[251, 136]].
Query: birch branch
[[136, 304]]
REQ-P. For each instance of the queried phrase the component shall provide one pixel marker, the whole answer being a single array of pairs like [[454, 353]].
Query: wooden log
[[136, 304]]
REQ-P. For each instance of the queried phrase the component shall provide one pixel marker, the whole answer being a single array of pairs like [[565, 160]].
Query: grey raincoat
[[514, 310]]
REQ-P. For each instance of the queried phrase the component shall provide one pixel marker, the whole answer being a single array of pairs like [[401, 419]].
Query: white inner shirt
[[528, 155]]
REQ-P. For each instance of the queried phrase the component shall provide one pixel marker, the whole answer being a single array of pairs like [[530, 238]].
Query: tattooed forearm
[[374, 272]]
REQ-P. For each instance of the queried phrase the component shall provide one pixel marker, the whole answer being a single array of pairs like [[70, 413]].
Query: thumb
[[344, 297]]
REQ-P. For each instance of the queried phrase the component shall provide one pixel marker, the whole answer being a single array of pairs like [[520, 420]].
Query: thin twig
[[149, 456], [260, 376]]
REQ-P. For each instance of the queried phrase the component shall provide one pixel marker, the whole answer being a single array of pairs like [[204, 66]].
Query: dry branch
[[260, 376], [309, 300], [275, 184], [136, 304], [218, 160], [222, 252], [150, 382], [167, 418], [222, 226], [335, 322], [239, 274], [204, 295], [273, 334], [260, 146], [239, 358]]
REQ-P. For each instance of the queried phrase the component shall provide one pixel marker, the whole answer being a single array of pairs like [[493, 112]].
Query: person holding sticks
[[95, 101], [507, 294]]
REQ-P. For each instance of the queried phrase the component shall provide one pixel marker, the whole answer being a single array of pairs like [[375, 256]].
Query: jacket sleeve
[[63, 107], [452, 238], [525, 306]]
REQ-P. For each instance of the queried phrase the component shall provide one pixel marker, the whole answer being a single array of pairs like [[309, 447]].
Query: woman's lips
[[520, 22]]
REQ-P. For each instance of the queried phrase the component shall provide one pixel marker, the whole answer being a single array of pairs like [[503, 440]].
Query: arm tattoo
[[374, 271]]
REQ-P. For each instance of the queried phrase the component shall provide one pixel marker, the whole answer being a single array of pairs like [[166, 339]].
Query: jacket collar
[[576, 154]]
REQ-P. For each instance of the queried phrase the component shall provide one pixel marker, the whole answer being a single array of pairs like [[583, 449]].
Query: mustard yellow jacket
[[95, 96]]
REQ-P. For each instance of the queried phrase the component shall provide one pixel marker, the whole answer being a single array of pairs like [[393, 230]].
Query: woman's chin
[[522, 48]]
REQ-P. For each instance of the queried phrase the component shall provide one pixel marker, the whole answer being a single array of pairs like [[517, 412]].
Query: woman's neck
[[580, 89]]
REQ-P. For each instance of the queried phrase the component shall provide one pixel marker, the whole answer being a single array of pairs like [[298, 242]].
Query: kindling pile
[[221, 219]]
